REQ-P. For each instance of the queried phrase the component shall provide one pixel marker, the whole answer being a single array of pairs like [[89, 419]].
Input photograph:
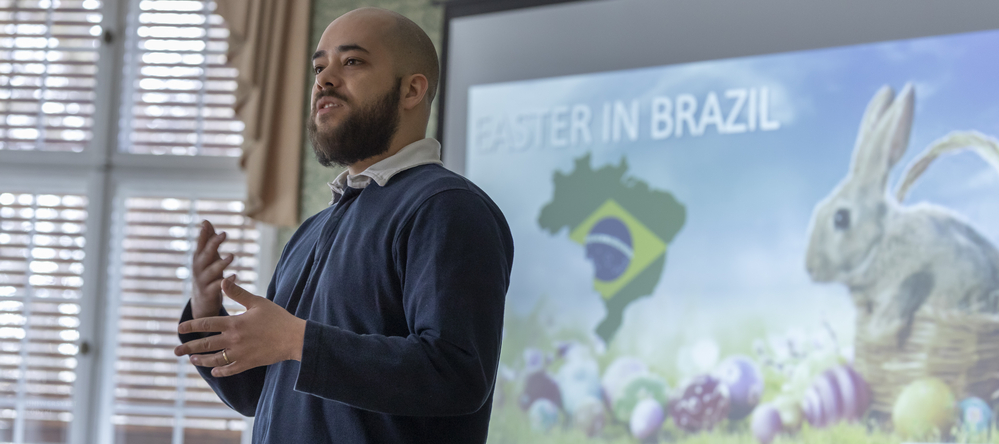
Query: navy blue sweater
[[403, 288]]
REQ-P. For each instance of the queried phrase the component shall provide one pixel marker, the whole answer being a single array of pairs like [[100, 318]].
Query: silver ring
[[225, 357]]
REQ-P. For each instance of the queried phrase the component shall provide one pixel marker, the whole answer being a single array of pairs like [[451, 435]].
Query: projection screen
[[770, 221]]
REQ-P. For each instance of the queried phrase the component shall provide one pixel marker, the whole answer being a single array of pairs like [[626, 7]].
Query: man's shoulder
[[417, 186]]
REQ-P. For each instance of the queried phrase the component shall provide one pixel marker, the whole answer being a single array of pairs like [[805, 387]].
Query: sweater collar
[[421, 152]]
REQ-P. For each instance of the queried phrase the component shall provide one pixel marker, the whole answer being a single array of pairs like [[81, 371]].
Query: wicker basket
[[960, 348]]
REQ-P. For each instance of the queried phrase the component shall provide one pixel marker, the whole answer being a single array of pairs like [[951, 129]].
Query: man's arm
[[207, 265]]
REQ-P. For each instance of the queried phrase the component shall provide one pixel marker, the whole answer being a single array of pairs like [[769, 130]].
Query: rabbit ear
[[884, 135], [879, 104]]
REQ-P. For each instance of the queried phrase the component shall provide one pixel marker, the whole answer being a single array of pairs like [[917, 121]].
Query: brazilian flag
[[624, 226], [619, 245]]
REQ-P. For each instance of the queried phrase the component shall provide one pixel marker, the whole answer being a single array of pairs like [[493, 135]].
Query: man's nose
[[327, 79]]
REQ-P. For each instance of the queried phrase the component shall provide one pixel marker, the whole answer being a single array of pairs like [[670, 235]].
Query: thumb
[[237, 293]]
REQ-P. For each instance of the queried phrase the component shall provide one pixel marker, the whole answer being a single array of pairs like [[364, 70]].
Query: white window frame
[[107, 177]]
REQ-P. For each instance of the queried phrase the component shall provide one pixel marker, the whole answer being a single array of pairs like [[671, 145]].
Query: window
[[179, 94], [114, 145], [41, 269], [48, 64]]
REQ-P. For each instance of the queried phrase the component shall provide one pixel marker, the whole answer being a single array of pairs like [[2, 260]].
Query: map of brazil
[[624, 226]]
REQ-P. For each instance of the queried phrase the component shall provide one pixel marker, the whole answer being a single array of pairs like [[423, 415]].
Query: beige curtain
[[268, 43]]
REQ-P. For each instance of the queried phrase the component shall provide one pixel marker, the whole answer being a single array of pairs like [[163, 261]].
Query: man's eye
[[318, 69], [351, 62]]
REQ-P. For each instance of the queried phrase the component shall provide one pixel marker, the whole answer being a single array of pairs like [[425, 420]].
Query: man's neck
[[399, 141]]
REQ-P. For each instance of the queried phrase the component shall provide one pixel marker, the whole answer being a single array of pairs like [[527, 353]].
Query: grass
[[510, 424]]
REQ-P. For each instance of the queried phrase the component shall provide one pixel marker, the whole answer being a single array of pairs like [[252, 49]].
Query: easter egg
[[589, 416], [703, 403], [618, 374], [543, 415], [646, 419], [578, 379], [854, 392], [823, 403], [838, 394], [647, 386], [538, 385], [976, 416], [924, 407], [766, 423], [609, 246], [744, 381]]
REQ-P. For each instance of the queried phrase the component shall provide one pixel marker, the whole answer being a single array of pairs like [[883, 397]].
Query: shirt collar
[[421, 152]]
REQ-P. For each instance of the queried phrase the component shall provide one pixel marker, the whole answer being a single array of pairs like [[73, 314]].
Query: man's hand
[[206, 270], [263, 335]]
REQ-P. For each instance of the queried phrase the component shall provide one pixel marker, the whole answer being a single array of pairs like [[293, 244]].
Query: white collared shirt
[[421, 152]]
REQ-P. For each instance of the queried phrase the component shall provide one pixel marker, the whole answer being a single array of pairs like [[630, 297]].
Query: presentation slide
[[798, 247]]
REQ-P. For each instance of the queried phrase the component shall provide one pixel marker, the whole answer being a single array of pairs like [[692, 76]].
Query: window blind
[[41, 268], [48, 68], [158, 396], [179, 94]]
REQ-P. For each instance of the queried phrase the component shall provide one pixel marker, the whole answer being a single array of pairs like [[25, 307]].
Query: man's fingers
[[228, 370], [237, 293], [215, 268], [203, 345], [204, 325], [207, 231], [210, 252], [212, 360]]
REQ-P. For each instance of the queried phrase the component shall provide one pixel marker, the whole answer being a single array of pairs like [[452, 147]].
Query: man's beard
[[363, 133]]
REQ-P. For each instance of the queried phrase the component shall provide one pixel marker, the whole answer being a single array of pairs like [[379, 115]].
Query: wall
[[314, 194]]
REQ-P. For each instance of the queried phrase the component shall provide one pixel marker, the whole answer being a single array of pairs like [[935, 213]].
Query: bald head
[[412, 50]]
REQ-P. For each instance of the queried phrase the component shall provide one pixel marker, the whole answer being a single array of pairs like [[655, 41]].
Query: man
[[383, 321]]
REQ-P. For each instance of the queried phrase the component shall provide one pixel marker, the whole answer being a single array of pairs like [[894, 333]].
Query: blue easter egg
[[745, 385], [975, 415], [609, 246], [543, 415]]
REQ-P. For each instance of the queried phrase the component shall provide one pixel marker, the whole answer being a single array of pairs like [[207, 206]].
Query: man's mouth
[[326, 105]]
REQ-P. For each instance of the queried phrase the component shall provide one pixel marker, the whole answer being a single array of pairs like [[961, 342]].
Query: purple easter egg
[[838, 394], [703, 403], [744, 381], [766, 423], [609, 246], [538, 385], [617, 376], [814, 408], [647, 419], [830, 396], [854, 392]]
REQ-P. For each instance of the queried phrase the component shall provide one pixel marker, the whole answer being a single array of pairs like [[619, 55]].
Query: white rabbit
[[896, 260]]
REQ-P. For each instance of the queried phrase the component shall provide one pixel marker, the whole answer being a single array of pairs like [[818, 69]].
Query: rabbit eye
[[842, 219]]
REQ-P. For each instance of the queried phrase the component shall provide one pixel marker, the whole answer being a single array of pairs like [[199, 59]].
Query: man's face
[[355, 99]]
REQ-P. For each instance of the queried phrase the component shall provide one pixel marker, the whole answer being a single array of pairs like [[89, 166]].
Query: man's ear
[[414, 89]]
